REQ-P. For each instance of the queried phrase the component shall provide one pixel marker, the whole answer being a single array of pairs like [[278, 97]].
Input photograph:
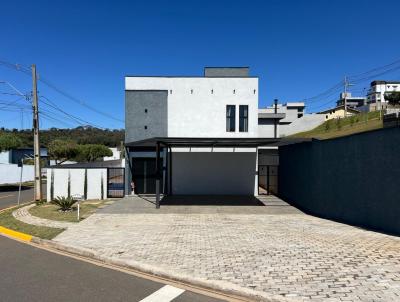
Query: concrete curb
[[218, 286], [14, 234]]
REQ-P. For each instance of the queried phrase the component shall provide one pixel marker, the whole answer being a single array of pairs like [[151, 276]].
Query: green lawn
[[333, 128], [8, 221], [50, 211]]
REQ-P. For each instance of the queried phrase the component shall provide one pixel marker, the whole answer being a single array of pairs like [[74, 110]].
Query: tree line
[[81, 135]]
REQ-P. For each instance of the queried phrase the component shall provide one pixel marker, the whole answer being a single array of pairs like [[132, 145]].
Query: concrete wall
[[146, 114], [305, 123], [60, 178], [354, 179], [10, 173], [197, 105], [220, 173], [5, 157], [266, 127]]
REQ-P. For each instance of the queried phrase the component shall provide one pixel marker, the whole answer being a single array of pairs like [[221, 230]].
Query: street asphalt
[[32, 274], [9, 195]]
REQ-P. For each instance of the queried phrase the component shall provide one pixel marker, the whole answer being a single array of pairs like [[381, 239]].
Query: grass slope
[[335, 128]]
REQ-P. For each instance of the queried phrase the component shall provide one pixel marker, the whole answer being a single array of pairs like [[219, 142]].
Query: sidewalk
[[269, 253]]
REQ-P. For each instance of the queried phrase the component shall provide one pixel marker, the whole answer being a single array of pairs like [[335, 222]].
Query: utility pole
[[345, 96], [346, 85], [36, 142]]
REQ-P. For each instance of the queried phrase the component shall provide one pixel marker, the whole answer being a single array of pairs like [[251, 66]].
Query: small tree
[[327, 125], [62, 150], [9, 141], [393, 98], [352, 120], [93, 152], [339, 123]]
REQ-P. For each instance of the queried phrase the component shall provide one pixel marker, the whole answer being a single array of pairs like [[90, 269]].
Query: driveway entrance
[[274, 251]]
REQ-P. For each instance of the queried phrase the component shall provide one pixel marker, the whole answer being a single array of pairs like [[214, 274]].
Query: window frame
[[243, 118], [230, 118]]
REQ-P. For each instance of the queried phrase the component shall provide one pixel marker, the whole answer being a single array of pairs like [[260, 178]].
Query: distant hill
[[81, 134]]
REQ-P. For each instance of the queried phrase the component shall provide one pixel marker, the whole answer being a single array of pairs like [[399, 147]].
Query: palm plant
[[65, 203]]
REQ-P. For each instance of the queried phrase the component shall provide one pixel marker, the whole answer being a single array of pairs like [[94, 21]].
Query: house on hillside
[[338, 112], [190, 135]]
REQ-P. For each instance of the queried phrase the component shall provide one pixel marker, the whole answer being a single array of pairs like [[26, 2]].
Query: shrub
[[65, 203], [352, 120], [339, 123], [327, 125]]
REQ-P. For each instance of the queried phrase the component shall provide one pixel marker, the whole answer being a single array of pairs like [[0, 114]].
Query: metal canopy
[[214, 142]]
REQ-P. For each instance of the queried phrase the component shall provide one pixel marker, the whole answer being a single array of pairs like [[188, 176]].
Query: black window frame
[[243, 118], [230, 118]]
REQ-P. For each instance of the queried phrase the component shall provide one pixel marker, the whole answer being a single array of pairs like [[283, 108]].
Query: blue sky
[[297, 48]]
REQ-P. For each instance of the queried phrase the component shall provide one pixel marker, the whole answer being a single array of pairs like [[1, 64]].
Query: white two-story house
[[193, 135]]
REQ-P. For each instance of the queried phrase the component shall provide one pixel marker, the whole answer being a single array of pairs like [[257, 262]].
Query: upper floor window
[[243, 118], [230, 118]]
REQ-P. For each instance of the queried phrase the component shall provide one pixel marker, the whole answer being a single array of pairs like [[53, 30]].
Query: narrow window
[[212, 91], [254, 91], [191, 91], [230, 118], [145, 127], [234, 91], [145, 111], [243, 118], [170, 92]]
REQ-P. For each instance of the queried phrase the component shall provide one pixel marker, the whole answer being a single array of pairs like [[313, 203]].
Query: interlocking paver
[[292, 255]]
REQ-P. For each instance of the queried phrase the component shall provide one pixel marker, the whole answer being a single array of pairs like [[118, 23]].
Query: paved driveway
[[275, 250]]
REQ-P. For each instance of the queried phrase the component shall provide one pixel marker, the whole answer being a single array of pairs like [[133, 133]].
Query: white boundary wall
[[77, 182], [10, 173]]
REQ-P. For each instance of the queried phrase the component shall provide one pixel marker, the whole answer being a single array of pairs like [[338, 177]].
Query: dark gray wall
[[354, 179], [156, 118], [226, 71]]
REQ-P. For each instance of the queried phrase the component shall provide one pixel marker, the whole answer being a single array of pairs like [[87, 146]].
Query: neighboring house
[[14, 156], [351, 101], [288, 118], [338, 112], [195, 135], [116, 154], [377, 91]]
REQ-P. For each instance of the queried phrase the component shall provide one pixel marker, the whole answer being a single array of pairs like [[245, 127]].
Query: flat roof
[[214, 142], [269, 115]]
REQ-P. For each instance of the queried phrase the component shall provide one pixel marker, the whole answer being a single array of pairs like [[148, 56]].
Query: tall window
[[230, 118], [243, 118]]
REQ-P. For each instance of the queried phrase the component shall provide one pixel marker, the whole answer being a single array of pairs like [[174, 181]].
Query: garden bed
[[51, 211]]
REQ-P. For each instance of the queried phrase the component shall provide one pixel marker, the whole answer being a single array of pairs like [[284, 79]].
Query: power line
[[26, 70], [77, 119]]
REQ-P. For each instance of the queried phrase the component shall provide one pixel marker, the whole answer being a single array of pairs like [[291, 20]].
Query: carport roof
[[214, 142]]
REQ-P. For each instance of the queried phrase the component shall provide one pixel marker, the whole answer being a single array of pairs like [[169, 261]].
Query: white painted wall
[[305, 123], [95, 176], [10, 173], [116, 155], [77, 178], [220, 173], [202, 113], [5, 157]]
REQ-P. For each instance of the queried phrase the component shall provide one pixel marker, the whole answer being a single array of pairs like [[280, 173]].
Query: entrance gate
[[268, 179], [115, 182]]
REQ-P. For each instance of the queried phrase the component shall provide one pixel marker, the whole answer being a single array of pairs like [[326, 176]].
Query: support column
[[158, 175]]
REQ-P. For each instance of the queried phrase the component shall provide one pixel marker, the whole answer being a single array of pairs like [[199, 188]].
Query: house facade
[[200, 133], [377, 91]]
